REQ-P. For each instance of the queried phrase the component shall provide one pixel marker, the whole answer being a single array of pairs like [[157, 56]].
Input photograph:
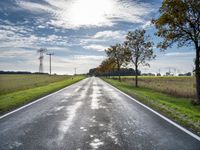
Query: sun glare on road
[[89, 12]]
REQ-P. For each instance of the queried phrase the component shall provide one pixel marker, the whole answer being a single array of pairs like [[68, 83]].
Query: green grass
[[23, 96], [12, 83], [178, 109]]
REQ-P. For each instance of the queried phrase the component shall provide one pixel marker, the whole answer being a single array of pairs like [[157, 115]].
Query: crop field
[[175, 86], [13, 83], [17, 90]]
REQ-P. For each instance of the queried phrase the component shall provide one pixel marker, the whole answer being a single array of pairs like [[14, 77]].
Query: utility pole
[[50, 54], [41, 51]]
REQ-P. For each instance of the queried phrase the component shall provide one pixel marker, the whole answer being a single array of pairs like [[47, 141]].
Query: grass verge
[[13, 100], [179, 110]]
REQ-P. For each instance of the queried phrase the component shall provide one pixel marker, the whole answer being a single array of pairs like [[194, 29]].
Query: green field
[[13, 83], [178, 108], [175, 86], [17, 90]]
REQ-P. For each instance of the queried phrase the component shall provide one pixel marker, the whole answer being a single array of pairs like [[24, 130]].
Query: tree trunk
[[136, 76], [118, 68], [197, 73], [119, 75]]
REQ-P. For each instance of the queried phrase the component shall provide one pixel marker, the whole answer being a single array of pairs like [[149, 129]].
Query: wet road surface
[[90, 115]]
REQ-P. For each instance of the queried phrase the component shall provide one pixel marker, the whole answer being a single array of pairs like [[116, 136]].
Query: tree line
[[178, 22], [20, 72], [122, 72], [137, 49]]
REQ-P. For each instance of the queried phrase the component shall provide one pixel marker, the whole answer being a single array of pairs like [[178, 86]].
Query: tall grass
[[175, 86]]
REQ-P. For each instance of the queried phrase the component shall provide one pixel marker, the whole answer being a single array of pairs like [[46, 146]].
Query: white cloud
[[180, 54], [17, 29], [102, 38], [15, 53], [72, 14], [20, 36], [86, 41], [96, 47], [35, 7], [56, 49], [110, 34]]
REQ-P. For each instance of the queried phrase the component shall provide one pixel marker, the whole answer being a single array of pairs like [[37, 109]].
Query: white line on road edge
[[35, 101], [155, 112]]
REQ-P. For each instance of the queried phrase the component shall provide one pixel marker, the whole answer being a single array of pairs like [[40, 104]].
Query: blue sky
[[78, 31]]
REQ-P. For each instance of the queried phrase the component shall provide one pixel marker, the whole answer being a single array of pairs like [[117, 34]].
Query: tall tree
[[141, 49], [120, 56], [180, 22]]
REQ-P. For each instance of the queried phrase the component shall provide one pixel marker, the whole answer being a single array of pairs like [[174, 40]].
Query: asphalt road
[[90, 115]]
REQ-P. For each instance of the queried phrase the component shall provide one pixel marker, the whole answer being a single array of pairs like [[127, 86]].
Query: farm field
[[12, 83], [17, 90], [175, 86], [163, 94]]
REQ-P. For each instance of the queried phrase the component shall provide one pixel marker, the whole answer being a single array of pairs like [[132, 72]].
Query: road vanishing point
[[90, 115]]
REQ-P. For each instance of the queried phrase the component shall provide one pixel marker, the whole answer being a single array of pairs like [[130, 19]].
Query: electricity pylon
[[41, 51]]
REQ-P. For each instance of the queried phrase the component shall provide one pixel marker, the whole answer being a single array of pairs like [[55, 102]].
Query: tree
[[120, 56], [141, 49], [180, 22], [106, 66]]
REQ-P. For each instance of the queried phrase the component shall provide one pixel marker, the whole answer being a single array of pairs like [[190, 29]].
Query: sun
[[89, 12]]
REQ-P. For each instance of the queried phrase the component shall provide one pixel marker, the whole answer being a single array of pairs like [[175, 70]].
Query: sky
[[78, 32]]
